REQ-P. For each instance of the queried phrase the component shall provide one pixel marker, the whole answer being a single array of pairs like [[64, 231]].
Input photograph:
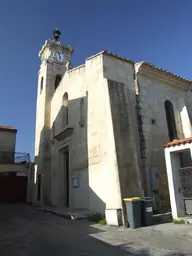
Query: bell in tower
[[56, 34]]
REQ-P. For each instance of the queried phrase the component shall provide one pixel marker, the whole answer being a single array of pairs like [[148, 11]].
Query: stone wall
[[103, 170], [120, 75], [14, 168], [123, 72], [74, 84], [127, 159], [114, 138], [46, 87], [152, 96], [7, 140], [91, 146]]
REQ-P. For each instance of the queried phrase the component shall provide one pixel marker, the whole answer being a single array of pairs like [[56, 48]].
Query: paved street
[[26, 231]]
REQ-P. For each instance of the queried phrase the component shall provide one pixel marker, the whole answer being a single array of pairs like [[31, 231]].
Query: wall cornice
[[68, 131], [56, 45], [163, 75]]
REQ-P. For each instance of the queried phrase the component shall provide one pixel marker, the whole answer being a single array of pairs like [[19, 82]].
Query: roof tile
[[178, 142], [143, 63]]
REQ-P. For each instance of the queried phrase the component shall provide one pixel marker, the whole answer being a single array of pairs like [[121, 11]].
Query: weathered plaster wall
[[105, 150], [13, 168], [188, 95], [48, 71], [39, 129], [40, 110], [123, 72], [152, 96], [120, 75], [7, 140], [127, 160], [92, 147], [74, 84], [103, 168]]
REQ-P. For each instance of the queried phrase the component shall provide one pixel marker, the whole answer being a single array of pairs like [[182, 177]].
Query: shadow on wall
[[62, 163], [41, 172], [126, 149]]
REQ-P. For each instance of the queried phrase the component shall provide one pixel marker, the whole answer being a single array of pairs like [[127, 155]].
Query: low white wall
[[173, 165], [8, 140], [13, 168]]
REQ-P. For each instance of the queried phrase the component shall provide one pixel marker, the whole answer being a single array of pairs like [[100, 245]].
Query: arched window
[[170, 120], [57, 80], [41, 85], [82, 110], [65, 113]]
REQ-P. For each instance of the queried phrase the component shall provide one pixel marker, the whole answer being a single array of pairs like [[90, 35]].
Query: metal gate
[[13, 189], [186, 183]]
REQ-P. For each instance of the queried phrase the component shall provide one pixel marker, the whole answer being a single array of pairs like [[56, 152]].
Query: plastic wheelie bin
[[147, 211], [133, 208]]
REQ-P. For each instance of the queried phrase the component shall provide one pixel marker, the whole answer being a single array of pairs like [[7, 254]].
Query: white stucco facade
[[109, 115]]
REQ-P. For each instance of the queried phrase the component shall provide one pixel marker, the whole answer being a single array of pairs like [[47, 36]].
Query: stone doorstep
[[74, 214], [162, 218]]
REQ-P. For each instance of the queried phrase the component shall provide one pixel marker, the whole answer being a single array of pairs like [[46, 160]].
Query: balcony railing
[[14, 158]]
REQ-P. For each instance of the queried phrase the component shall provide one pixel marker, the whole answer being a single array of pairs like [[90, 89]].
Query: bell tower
[[55, 61]]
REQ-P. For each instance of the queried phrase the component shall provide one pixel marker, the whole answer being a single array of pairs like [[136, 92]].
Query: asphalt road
[[25, 231]]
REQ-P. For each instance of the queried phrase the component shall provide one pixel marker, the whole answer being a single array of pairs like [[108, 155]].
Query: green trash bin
[[133, 207], [147, 211]]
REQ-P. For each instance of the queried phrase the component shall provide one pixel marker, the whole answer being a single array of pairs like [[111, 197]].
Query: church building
[[101, 129]]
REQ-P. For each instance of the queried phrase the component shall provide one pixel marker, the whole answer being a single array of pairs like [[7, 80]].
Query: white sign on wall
[[149, 209], [75, 182]]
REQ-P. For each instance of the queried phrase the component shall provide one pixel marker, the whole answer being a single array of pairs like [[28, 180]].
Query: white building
[[179, 172], [101, 129]]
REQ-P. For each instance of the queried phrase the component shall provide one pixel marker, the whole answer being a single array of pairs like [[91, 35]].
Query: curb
[[64, 215]]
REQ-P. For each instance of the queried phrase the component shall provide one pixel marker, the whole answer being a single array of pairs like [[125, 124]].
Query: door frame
[[65, 177], [39, 187]]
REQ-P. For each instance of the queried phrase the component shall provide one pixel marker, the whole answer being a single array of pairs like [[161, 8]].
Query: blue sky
[[159, 32]]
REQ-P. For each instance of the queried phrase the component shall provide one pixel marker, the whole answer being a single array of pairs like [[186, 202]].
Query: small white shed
[[178, 154]]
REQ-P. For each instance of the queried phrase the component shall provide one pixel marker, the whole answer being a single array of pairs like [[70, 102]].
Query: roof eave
[[162, 74], [107, 53]]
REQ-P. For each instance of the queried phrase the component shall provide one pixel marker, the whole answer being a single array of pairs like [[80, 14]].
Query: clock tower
[[55, 61]]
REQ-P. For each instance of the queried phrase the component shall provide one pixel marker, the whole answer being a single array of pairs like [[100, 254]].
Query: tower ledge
[[56, 45]]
